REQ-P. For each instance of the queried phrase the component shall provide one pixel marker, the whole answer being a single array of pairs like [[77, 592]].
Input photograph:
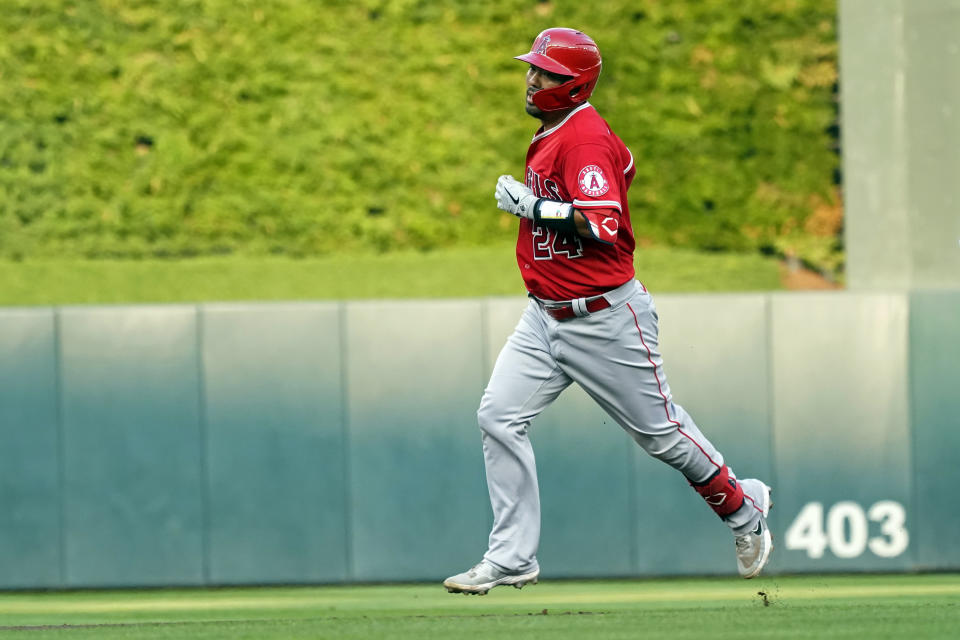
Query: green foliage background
[[136, 128]]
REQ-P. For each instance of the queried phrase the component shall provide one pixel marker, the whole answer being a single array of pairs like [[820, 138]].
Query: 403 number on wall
[[846, 530]]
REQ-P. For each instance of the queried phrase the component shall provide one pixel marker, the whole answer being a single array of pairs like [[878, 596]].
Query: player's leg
[[614, 355], [524, 381]]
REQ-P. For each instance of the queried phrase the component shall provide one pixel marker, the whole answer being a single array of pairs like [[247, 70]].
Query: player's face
[[537, 79]]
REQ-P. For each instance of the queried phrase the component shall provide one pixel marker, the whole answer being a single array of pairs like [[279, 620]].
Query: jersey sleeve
[[594, 179]]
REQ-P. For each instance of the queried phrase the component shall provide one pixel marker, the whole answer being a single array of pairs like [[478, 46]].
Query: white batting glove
[[515, 197]]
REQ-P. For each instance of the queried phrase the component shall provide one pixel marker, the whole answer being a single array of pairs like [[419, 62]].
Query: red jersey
[[580, 161]]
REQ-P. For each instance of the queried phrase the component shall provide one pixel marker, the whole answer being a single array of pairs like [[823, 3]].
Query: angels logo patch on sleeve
[[592, 181]]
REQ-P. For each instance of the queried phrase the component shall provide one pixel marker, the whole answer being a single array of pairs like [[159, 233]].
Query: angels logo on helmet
[[565, 52], [541, 45]]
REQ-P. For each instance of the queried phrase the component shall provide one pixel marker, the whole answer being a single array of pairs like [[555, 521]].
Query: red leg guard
[[722, 493]]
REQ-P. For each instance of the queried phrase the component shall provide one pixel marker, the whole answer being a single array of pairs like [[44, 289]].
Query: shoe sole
[[767, 535], [516, 582]]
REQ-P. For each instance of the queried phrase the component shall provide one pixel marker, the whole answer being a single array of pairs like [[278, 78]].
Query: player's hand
[[515, 197]]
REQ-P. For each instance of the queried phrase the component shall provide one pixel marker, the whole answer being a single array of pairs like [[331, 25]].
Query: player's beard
[[534, 110]]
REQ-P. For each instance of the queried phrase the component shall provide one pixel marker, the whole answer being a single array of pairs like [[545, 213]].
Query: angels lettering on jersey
[[549, 242]]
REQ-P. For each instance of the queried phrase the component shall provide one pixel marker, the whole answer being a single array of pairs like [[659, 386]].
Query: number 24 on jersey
[[548, 243]]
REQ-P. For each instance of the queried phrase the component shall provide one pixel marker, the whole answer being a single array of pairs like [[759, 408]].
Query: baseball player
[[588, 321]]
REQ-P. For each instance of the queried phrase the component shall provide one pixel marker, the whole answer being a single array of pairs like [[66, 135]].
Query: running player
[[588, 321]]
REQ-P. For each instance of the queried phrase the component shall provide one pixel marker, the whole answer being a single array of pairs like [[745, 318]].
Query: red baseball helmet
[[567, 52]]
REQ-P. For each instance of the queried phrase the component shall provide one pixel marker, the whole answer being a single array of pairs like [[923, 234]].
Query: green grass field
[[464, 272], [868, 606]]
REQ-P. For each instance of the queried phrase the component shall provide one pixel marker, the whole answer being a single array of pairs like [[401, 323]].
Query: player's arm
[[517, 198], [590, 173], [576, 222], [580, 224]]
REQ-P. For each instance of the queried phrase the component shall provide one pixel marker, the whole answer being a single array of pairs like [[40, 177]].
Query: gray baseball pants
[[613, 354]]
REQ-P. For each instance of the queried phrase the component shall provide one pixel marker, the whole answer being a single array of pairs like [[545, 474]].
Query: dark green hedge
[[189, 127]]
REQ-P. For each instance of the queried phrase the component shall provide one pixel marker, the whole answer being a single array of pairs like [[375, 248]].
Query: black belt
[[564, 310]]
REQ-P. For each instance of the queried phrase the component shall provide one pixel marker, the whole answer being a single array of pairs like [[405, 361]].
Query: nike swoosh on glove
[[515, 197]]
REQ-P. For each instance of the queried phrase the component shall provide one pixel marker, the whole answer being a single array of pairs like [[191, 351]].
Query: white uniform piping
[[540, 136]]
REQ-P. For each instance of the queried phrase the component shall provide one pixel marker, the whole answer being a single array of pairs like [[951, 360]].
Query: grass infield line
[[810, 607], [121, 625], [41, 604]]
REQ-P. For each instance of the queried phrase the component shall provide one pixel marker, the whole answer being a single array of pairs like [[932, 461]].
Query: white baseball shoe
[[485, 576], [754, 547]]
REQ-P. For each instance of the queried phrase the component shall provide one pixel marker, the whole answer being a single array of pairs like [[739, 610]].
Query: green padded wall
[[230, 443], [413, 379], [501, 316], [275, 443], [935, 397], [841, 431], [586, 490], [132, 446], [30, 542]]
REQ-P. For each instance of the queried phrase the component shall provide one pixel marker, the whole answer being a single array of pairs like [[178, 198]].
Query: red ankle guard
[[722, 493]]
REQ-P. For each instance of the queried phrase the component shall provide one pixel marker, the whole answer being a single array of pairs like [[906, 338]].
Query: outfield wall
[[308, 443]]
